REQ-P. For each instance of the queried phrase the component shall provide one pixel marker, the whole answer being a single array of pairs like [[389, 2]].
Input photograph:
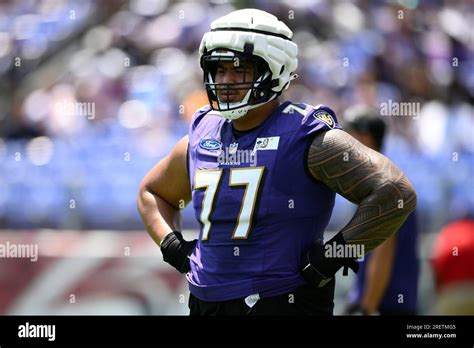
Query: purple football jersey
[[258, 207]]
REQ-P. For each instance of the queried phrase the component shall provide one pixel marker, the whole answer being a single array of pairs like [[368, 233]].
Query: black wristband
[[176, 251], [169, 238]]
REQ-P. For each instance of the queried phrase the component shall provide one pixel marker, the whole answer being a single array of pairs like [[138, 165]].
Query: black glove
[[176, 251], [318, 269]]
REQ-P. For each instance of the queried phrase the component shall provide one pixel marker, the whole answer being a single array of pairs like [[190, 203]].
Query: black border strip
[[136, 331]]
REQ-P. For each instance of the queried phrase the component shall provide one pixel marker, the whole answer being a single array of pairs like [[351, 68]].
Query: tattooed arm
[[365, 177]]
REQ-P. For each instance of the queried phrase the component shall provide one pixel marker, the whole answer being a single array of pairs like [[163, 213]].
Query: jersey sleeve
[[196, 120], [317, 119]]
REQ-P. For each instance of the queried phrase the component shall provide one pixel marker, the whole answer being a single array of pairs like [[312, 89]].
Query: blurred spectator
[[453, 266]]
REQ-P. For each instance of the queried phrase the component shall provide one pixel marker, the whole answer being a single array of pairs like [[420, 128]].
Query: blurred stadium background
[[94, 93]]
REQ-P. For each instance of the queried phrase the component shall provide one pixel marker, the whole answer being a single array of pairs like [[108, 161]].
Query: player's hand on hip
[[318, 269], [176, 251]]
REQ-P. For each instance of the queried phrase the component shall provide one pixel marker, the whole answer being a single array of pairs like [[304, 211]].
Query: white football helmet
[[258, 38]]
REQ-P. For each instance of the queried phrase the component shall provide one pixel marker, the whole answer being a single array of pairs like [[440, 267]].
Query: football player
[[260, 248]]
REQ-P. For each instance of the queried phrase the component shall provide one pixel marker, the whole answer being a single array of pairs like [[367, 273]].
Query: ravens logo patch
[[325, 117]]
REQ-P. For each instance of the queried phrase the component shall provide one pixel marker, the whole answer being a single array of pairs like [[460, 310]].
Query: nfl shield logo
[[233, 148]]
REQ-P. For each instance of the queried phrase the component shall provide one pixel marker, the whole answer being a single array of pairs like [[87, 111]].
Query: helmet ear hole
[[282, 69], [260, 94]]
